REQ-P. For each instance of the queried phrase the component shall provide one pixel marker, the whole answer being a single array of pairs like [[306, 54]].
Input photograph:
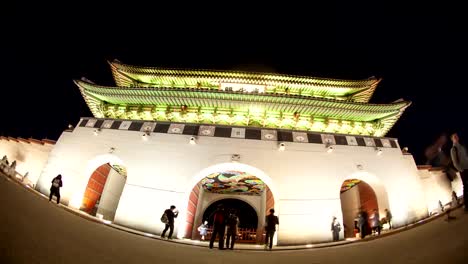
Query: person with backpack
[[232, 223], [219, 225], [270, 227], [55, 188], [168, 219]]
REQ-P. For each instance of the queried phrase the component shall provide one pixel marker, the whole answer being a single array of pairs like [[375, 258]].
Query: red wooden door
[[94, 188]]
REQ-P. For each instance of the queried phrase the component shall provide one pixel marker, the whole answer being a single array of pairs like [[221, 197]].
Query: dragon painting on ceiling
[[231, 182]]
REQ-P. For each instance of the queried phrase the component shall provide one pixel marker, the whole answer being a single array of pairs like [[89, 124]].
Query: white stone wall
[[305, 179], [437, 188], [30, 155]]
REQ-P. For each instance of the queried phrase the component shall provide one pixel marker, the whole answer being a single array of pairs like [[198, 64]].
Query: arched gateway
[[361, 192], [100, 194], [229, 181]]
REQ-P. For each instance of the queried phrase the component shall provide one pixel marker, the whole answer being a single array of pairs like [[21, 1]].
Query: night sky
[[420, 52]]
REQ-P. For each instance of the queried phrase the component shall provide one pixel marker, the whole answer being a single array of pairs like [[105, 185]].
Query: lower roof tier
[[250, 110]]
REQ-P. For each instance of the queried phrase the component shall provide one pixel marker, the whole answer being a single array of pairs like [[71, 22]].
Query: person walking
[[55, 188], [270, 227], [460, 162], [171, 214]]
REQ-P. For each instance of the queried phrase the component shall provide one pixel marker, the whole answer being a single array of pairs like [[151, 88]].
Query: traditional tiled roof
[[259, 109], [136, 76]]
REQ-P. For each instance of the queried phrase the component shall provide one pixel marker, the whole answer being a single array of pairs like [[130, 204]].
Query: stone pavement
[[36, 231]]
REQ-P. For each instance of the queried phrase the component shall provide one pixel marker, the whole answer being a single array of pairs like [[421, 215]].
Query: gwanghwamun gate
[[311, 148]]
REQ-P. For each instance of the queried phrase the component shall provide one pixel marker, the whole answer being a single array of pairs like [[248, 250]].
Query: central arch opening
[[237, 189], [356, 197], [248, 218]]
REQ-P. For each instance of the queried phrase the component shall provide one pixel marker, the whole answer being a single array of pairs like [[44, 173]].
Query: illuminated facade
[[193, 138], [242, 99]]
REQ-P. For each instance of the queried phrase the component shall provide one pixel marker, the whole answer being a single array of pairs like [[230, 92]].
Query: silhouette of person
[[232, 223], [388, 218], [171, 213], [219, 226], [335, 228], [55, 188], [270, 228], [460, 162]]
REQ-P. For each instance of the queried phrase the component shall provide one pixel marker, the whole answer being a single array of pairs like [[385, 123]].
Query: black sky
[[420, 52]]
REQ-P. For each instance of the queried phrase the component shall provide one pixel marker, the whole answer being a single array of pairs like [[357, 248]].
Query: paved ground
[[35, 231]]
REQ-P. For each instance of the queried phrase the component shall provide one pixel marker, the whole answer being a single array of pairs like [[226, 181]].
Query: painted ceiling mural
[[231, 182], [348, 184], [120, 169]]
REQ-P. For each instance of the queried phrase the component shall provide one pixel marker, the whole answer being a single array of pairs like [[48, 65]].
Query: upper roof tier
[[199, 105], [247, 82]]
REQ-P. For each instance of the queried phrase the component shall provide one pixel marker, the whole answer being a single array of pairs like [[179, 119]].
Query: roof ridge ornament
[[84, 79]]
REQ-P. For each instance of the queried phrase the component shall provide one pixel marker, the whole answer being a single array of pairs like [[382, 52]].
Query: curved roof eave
[[126, 75], [120, 95], [90, 85]]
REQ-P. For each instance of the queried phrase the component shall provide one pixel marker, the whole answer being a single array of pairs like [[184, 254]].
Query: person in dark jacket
[[460, 161], [388, 217], [270, 227], [219, 226], [232, 223], [171, 213], [55, 188], [335, 228]]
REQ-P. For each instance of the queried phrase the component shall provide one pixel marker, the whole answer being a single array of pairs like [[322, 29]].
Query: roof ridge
[[115, 63]]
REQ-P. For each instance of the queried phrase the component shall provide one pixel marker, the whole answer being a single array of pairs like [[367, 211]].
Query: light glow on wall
[[79, 188]]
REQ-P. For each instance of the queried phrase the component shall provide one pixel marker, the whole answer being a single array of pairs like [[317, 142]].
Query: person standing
[[203, 229], [335, 228], [232, 223], [171, 213], [388, 217], [55, 188], [219, 226], [270, 228], [363, 223], [375, 222], [460, 162]]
